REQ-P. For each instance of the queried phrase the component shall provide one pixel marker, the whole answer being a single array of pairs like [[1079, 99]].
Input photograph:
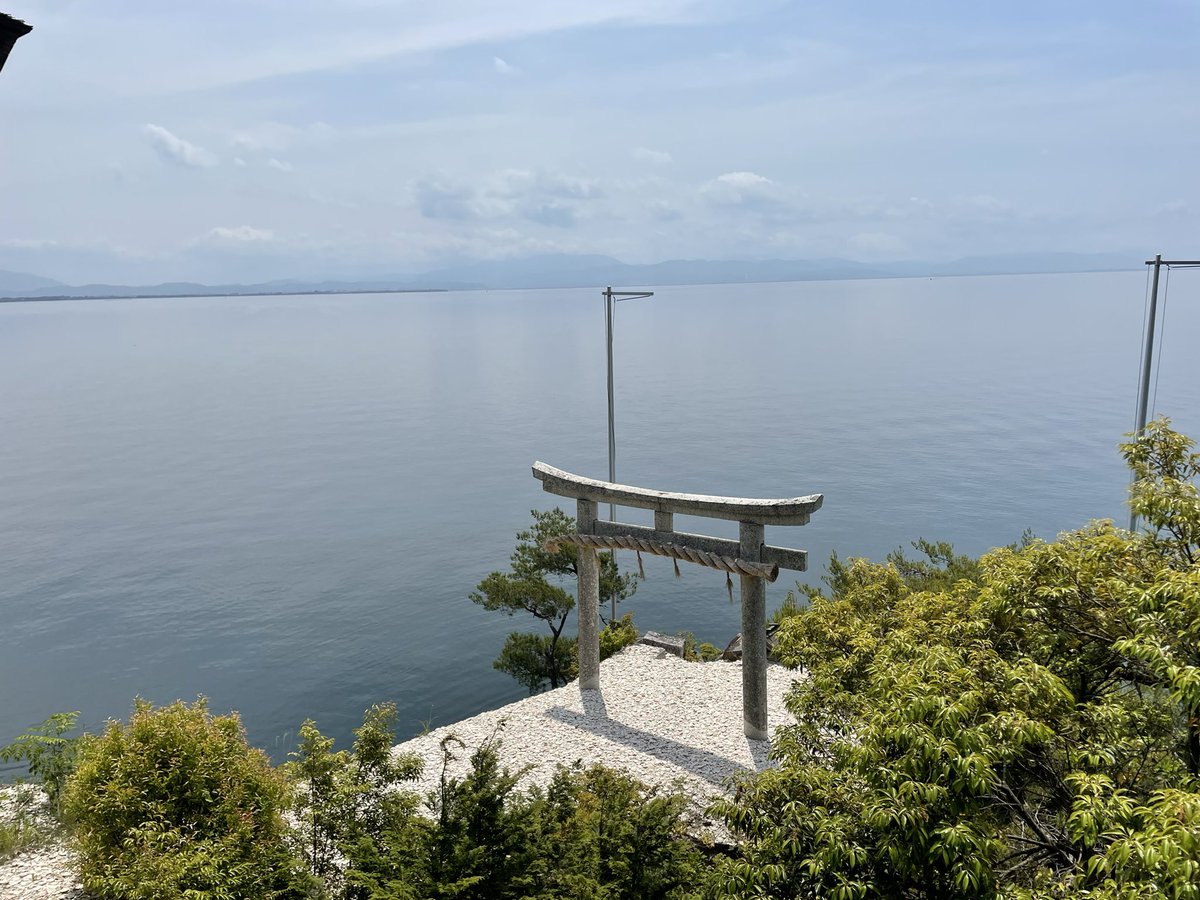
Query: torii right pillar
[[754, 635]]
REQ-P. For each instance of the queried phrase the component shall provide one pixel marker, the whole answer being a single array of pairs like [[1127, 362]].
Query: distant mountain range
[[567, 271]]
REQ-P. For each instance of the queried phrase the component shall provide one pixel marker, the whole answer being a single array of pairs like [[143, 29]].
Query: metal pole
[[609, 306], [609, 303], [1147, 359]]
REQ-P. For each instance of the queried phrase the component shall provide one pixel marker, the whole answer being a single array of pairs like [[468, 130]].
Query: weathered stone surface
[[668, 642], [784, 511], [733, 650]]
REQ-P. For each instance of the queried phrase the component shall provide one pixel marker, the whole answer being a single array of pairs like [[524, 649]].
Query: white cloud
[[747, 190], [742, 180], [265, 136], [280, 165], [241, 234], [175, 149], [547, 198], [658, 157], [524, 182], [503, 67]]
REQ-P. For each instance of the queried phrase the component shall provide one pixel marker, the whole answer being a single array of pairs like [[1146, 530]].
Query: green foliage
[[593, 833], [540, 582], [1164, 491], [617, 635], [20, 825], [694, 651], [1023, 725], [600, 833], [479, 849], [708, 652], [347, 800], [321, 803], [790, 606], [176, 804], [48, 754], [538, 661], [530, 657]]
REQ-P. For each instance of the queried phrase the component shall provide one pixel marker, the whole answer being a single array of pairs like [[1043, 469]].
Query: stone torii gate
[[754, 562]]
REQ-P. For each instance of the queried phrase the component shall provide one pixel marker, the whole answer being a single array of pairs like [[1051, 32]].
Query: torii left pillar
[[588, 565]]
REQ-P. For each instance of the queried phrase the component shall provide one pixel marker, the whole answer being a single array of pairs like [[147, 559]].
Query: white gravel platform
[[665, 721]]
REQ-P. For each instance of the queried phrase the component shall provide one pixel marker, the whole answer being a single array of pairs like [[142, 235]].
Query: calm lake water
[[283, 503]]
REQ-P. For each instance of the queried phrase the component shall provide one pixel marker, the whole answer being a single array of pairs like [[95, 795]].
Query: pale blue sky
[[143, 140]]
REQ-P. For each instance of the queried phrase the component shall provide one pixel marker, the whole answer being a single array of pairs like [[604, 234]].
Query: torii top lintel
[[789, 511]]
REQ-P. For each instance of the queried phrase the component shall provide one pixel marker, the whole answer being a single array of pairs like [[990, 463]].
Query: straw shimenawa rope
[[768, 571]]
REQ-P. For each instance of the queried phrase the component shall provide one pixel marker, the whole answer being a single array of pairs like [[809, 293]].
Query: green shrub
[[177, 804], [593, 834], [1022, 725], [708, 652], [601, 833], [49, 756], [21, 826], [617, 635], [346, 802], [698, 652]]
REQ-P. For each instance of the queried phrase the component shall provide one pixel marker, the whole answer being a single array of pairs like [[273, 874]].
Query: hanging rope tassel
[[641, 571], [676, 564], [729, 586]]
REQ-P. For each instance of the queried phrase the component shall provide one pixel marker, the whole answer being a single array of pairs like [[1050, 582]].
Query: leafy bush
[[601, 833], [177, 804], [347, 801], [49, 756], [617, 635], [1027, 725], [702, 651], [594, 833]]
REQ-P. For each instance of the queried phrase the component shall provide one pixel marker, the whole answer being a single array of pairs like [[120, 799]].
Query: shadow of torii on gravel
[[712, 767]]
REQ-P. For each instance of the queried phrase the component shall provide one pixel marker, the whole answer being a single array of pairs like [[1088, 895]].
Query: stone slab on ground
[[671, 643], [665, 721]]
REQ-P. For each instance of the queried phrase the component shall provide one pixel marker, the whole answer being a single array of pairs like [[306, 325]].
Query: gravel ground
[[44, 872], [665, 721]]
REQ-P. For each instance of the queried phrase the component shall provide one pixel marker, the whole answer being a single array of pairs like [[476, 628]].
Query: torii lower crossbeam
[[749, 556]]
